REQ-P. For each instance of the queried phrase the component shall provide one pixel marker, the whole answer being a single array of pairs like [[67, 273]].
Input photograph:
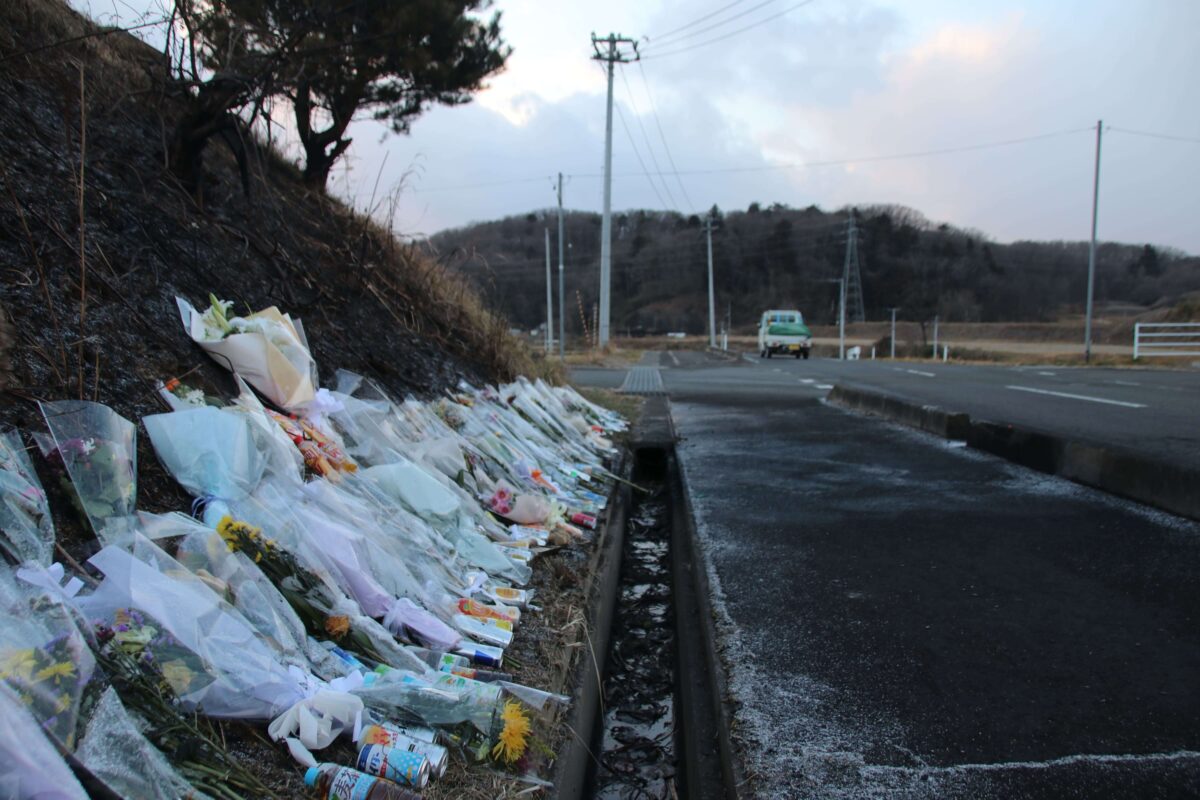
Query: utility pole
[[935, 333], [562, 308], [1087, 331], [549, 301], [852, 274], [893, 337], [712, 314], [610, 55]]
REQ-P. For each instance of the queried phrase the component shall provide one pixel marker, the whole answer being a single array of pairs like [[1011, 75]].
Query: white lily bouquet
[[267, 348]]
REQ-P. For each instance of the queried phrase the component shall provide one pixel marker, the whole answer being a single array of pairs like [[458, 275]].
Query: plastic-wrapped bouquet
[[267, 348], [26, 530], [97, 449]]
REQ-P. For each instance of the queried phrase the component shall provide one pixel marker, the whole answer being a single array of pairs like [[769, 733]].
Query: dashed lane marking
[[919, 372]]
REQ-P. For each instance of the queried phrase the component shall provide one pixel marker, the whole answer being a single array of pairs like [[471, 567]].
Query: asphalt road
[[1151, 411], [905, 618]]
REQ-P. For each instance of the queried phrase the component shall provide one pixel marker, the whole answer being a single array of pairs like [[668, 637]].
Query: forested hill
[[781, 257]]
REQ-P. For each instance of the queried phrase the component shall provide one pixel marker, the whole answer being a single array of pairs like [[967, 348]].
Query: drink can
[[584, 520], [416, 740], [395, 764]]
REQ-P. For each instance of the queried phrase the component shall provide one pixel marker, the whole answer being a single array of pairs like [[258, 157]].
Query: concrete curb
[[694, 563], [931, 419], [1170, 487], [572, 769]]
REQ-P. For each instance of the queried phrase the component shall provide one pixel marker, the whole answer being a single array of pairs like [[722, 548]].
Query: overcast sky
[[832, 80]]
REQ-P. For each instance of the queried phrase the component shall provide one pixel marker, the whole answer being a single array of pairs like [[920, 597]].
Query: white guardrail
[[1166, 339]]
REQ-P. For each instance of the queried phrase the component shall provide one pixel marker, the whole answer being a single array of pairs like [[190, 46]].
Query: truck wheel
[[768, 352], [797, 354], [762, 353], [805, 355]]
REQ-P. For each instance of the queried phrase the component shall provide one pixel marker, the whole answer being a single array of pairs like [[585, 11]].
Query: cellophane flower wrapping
[[266, 348], [241, 582], [325, 611], [44, 658], [26, 527], [211, 452], [98, 449], [116, 752], [31, 767], [215, 660]]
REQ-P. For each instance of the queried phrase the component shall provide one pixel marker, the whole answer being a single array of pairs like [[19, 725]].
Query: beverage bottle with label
[[455, 664], [335, 782]]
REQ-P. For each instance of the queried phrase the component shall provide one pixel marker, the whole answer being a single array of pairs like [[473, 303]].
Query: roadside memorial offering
[[354, 568]]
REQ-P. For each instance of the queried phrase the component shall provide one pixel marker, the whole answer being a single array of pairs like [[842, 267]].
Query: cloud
[[829, 82]]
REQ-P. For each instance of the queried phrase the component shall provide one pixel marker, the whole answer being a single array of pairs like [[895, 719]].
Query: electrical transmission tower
[[608, 50], [852, 275]]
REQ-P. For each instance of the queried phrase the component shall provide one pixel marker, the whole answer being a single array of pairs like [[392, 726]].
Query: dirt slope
[[95, 112]]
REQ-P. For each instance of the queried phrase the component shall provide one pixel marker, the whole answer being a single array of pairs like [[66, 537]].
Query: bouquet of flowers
[[97, 449], [149, 668], [268, 348], [30, 764], [26, 529], [324, 610], [44, 659]]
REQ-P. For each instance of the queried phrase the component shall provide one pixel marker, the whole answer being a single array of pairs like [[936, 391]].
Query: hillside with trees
[[776, 256]]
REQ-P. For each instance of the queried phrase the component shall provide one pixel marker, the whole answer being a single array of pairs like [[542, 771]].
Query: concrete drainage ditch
[[658, 729]]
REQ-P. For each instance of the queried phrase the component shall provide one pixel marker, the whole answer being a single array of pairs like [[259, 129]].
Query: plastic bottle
[[335, 782], [457, 665]]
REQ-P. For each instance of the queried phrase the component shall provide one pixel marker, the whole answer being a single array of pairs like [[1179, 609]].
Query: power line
[[1168, 136], [714, 40], [646, 139], [719, 23], [696, 21], [645, 171], [658, 124], [795, 165], [633, 144]]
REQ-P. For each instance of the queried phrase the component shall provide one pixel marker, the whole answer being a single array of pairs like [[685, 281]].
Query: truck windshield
[[785, 318]]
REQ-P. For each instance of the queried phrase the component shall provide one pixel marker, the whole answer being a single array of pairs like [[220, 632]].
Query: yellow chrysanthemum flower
[[63, 669], [513, 738], [17, 664]]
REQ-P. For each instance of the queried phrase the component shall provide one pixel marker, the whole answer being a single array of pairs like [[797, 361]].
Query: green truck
[[783, 332]]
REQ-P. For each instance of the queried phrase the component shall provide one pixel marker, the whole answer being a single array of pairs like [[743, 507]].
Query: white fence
[[1166, 339]]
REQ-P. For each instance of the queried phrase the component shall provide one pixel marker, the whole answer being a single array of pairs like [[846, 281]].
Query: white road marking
[[1077, 397], [674, 358], [807, 380], [1127, 383], [1064, 761], [919, 372], [823, 386], [1051, 374]]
